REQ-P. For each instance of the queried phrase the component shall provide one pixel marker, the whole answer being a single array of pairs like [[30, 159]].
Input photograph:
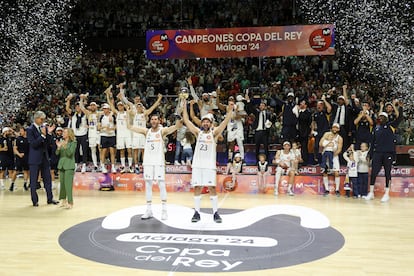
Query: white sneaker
[[183, 163], [2, 187], [104, 170], [290, 192], [83, 169], [369, 196], [177, 163], [147, 215], [164, 215], [122, 170], [113, 170], [385, 198]]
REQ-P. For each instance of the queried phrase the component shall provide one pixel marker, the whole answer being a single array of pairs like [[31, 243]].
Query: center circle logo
[[258, 238]]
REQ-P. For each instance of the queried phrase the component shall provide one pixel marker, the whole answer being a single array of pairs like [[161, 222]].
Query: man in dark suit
[[341, 114], [39, 140], [261, 125]]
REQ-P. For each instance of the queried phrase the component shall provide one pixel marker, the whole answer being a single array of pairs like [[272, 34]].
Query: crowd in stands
[[128, 18]]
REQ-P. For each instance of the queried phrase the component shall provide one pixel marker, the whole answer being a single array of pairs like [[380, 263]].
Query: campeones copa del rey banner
[[296, 40]]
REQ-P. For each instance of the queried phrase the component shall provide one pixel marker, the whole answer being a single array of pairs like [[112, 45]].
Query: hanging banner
[[295, 40]]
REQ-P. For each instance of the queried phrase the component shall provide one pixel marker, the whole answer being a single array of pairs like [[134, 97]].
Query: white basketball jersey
[[93, 125], [121, 125], [287, 157], [205, 153], [140, 120], [154, 148], [107, 122]]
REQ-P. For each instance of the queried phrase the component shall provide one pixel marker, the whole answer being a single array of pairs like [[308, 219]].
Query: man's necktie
[[339, 114], [263, 120], [78, 120]]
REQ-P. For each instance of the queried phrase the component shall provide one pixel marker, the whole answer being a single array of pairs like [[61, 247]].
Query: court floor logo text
[[262, 237]]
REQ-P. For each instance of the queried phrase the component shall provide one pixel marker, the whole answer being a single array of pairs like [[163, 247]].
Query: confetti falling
[[375, 39], [36, 47]]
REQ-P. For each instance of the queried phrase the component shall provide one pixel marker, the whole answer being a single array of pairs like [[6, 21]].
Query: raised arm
[[346, 157], [193, 117], [193, 93], [67, 105], [154, 106], [381, 106], [396, 109], [123, 98], [110, 101], [141, 130], [327, 104], [188, 123], [345, 93], [82, 104], [224, 123], [168, 130], [221, 106]]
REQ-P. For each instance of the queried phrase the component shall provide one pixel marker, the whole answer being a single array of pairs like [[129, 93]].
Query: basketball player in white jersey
[[92, 118], [140, 115], [205, 104], [284, 160], [154, 161], [204, 160], [235, 130], [337, 148], [123, 134]]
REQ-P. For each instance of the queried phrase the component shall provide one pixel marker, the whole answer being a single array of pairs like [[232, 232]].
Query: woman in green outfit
[[66, 165]]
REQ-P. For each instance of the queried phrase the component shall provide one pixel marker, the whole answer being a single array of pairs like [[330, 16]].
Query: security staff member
[[382, 153]]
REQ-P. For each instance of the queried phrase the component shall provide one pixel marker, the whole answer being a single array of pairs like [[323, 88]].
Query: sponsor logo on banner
[[159, 45], [320, 40], [263, 237]]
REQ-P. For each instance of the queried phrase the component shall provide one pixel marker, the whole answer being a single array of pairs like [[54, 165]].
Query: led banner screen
[[295, 40]]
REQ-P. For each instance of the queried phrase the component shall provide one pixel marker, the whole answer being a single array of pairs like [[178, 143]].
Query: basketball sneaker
[[164, 215], [147, 215], [369, 196], [196, 217], [385, 198], [217, 218]]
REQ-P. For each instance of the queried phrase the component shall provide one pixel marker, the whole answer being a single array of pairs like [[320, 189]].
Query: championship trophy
[[182, 96]]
